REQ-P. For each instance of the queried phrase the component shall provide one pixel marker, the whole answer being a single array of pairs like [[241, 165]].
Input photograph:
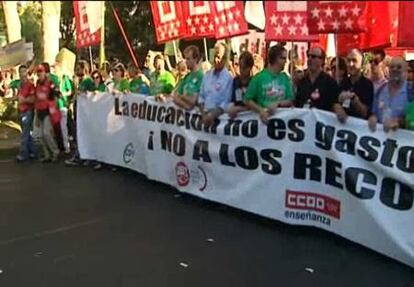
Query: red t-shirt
[[43, 91], [27, 89]]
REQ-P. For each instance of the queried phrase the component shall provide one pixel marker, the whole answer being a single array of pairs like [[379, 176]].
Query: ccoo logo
[[129, 153]]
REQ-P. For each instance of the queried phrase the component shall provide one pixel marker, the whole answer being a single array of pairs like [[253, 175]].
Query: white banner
[[303, 167]]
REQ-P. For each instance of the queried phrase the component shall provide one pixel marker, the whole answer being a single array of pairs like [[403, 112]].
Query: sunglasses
[[95, 77], [374, 61], [315, 56]]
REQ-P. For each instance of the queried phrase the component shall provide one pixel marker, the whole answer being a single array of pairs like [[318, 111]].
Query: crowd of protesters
[[380, 91]]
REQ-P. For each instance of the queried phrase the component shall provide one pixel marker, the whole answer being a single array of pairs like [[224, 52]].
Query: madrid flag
[[336, 17], [168, 20], [287, 21], [88, 22]]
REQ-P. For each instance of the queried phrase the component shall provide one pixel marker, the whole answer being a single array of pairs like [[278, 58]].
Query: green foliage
[[8, 110], [67, 25], [136, 18], [31, 19]]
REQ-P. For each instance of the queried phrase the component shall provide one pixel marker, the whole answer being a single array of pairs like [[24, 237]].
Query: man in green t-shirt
[[271, 88], [162, 82], [189, 87]]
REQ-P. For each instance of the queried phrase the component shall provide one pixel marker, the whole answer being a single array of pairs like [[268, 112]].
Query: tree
[[67, 26], [137, 20], [12, 20], [50, 30], [30, 17]]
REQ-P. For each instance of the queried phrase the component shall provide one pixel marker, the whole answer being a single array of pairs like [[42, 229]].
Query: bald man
[[356, 91], [391, 101]]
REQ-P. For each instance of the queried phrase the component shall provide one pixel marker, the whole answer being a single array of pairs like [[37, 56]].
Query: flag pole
[[336, 58], [292, 46], [102, 44], [90, 58], [205, 49], [124, 35], [175, 52]]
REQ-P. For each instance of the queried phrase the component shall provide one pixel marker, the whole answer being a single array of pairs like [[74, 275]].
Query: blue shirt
[[392, 107], [216, 89]]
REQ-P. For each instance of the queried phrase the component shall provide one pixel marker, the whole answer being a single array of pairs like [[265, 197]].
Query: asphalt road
[[64, 226]]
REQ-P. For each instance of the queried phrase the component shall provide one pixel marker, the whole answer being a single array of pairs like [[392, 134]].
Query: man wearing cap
[[44, 111]]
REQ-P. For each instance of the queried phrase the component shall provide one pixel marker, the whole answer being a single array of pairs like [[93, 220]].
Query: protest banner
[[15, 54], [303, 167]]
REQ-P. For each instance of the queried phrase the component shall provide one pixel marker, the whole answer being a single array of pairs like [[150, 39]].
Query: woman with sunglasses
[[121, 84], [98, 83]]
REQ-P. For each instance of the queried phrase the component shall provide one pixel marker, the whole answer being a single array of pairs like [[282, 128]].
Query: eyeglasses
[[315, 56], [374, 61], [399, 67]]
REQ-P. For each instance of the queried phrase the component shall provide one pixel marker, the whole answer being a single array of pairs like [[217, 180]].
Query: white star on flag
[[278, 30], [335, 25], [237, 13], [356, 10], [193, 30], [348, 24], [202, 29], [177, 23], [221, 30], [395, 23], [342, 12], [216, 19], [304, 29], [315, 12], [197, 20], [172, 24], [223, 18], [298, 19], [205, 19], [273, 19], [189, 21], [211, 27], [236, 26], [230, 15], [175, 32], [328, 12], [321, 25], [230, 27], [93, 37], [285, 19], [292, 30]]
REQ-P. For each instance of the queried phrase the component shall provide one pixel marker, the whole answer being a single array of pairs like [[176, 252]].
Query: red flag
[[405, 33], [168, 20], [336, 16], [229, 18], [287, 21], [83, 36], [199, 19]]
